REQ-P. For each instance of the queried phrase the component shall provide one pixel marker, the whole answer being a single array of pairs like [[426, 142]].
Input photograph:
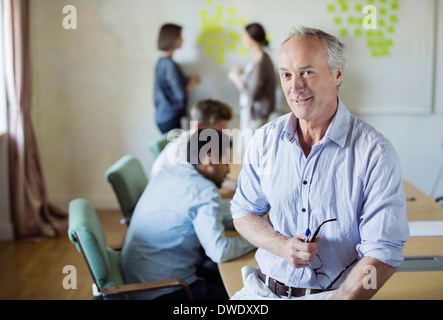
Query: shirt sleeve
[[383, 221], [208, 225], [249, 197], [177, 87], [254, 83]]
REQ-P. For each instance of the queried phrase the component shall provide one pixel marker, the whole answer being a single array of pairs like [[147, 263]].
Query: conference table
[[411, 285]]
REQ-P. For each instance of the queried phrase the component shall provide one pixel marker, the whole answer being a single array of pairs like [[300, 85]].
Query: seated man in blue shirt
[[319, 166], [178, 214]]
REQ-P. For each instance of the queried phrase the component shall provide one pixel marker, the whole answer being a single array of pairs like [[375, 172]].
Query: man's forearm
[[365, 279], [259, 231]]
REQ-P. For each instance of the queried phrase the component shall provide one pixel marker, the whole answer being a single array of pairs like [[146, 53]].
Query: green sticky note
[[209, 52], [337, 20], [394, 6], [331, 8], [357, 32], [391, 29], [358, 7], [233, 35], [394, 19], [344, 32]]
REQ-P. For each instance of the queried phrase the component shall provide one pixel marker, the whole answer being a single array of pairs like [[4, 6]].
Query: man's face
[[218, 170], [306, 79]]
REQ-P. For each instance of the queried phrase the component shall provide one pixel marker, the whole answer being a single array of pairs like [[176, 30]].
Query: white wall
[[418, 139], [93, 88]]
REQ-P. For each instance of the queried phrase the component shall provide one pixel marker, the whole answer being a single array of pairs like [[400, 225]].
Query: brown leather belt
[[279, 288]]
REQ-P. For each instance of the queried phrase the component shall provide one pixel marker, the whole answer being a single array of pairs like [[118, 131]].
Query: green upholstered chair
[[86, 232], [128, 180], [156, 146]]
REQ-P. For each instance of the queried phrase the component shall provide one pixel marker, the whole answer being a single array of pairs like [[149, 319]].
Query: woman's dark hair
[[168, 36], [257, 32]]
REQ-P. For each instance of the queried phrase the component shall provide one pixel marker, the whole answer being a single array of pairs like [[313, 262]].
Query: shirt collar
[[337, 131]]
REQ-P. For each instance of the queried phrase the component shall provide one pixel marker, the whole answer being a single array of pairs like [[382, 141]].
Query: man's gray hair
[[335, 49]]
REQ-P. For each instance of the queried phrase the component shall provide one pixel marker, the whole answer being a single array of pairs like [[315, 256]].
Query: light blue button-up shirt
[[179, 212], [353, 174]]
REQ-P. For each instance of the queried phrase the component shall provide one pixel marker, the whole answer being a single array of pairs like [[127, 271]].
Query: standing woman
[[256, 82], [172, 87]]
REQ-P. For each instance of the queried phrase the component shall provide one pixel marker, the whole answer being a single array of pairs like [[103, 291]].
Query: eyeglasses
[[322, 277]]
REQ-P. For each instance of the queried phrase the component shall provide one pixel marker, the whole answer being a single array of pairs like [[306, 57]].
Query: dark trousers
[[209, 288]]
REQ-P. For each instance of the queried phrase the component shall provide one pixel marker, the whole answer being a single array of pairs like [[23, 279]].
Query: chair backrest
[[128, 180], [157, 146], [86, 232]]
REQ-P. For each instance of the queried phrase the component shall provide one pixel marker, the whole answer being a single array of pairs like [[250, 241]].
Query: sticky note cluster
[[351, 17], [220, 31]]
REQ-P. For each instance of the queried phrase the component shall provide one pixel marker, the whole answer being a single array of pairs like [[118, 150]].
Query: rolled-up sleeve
[[383, 221], [249, 197]]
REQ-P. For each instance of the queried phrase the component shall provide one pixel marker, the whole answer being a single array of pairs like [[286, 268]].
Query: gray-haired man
[[328, 169]]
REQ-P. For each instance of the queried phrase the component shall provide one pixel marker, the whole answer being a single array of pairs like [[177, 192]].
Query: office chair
[[156, 146], [128, 180], [86, 232]]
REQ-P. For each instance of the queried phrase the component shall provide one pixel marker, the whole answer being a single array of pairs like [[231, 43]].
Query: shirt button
[[303, 210], [305, 182]]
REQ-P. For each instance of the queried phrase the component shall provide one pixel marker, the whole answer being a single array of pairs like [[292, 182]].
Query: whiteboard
[[389, 71]]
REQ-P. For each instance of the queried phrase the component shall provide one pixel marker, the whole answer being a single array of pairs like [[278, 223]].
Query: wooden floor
[[34, 270]]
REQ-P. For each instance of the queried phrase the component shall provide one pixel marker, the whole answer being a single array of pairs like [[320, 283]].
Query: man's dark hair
[[206, 141]]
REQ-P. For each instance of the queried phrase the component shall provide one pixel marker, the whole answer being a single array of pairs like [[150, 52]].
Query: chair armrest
[[146, 286], [116, 247], [125, 221]]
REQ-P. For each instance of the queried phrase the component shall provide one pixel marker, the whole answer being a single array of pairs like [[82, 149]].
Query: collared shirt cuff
[[390, 255]]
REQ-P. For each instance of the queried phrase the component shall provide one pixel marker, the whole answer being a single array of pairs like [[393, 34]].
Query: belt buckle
[[289, 292]]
